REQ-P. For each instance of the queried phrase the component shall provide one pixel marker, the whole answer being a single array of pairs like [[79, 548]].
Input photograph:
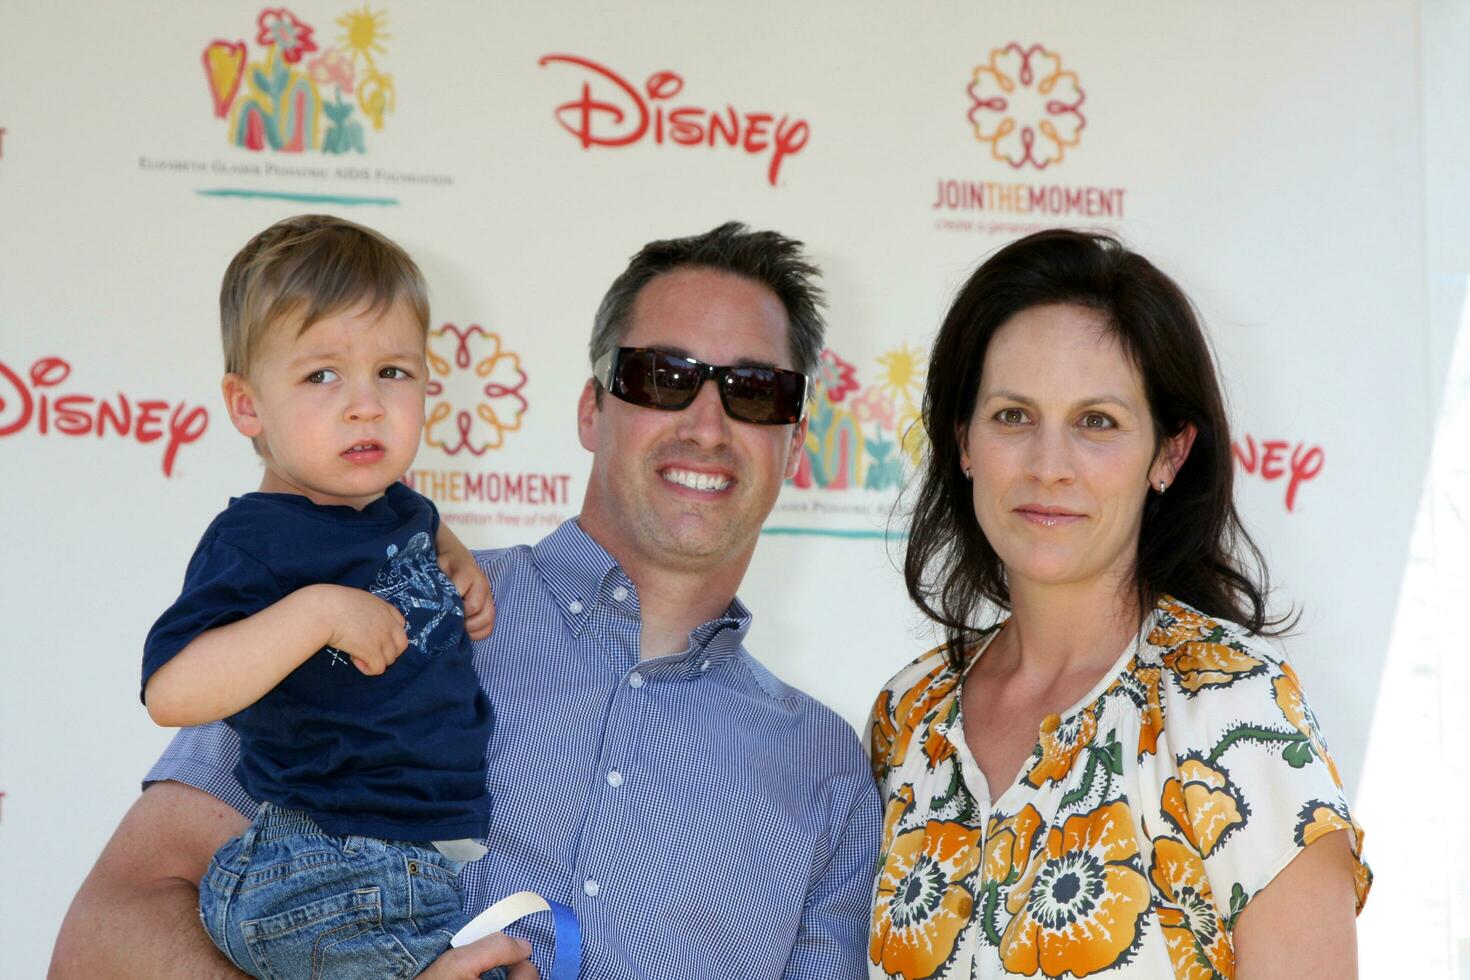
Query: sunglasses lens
[[655, 379], [764, 396]]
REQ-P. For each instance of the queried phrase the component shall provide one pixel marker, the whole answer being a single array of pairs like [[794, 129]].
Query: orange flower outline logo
[[1026, 106], [497, 402]]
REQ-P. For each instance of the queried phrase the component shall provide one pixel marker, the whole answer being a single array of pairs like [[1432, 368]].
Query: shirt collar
[[580, 573]]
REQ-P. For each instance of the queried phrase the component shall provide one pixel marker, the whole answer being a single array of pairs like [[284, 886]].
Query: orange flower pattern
[[922, 902], [1081, 906], [1147, 817], [1202, 804], [1194, 933], [1294, 705]]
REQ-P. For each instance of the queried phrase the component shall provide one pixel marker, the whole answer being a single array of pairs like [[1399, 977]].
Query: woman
[[1120, 779]]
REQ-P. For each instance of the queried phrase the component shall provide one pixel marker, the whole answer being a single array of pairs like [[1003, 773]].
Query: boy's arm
[[226, 669], [474, 588]]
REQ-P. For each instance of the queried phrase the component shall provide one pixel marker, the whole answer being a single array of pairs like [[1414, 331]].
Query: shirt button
[[704, 666], [590, 888], [619, 594], [635, 680], [615, 779], [574, 607]]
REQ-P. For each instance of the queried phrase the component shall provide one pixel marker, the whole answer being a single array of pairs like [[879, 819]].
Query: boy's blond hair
[[306, 268]]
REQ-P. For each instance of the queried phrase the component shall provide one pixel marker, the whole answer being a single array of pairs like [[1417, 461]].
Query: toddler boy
[[322, 618]]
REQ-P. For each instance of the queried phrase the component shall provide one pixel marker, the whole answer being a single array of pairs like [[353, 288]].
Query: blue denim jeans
[[285, 900]]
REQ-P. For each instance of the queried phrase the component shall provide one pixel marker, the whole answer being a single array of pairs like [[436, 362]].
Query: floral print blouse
[[1147, 817]]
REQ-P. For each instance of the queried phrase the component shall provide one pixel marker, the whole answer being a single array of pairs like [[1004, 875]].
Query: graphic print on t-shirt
[[413, 582]]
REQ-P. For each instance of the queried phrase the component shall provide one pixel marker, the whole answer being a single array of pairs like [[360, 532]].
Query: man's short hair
[[765, 257], [310, 267]]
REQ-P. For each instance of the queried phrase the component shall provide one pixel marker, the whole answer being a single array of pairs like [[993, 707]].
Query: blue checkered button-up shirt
[[704, 819]]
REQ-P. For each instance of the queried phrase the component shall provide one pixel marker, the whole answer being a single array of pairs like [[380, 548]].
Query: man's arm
[[833, 941], [226, 669], [137, 914]]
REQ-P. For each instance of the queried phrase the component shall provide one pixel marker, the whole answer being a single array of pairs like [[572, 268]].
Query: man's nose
[[704, 421]]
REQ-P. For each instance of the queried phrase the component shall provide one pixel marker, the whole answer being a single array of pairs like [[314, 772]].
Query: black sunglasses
[[658, 379]]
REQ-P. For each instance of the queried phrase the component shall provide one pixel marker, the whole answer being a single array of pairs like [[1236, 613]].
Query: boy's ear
[[240, 403]]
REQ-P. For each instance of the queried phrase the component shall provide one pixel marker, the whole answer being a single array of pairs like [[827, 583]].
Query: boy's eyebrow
[[333, 353]]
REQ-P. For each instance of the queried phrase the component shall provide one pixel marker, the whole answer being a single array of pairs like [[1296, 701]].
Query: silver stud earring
[[965, 470], [1163, 486]]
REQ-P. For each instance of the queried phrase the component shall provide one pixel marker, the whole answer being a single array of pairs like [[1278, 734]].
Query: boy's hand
[[474, 588], [367, 628]]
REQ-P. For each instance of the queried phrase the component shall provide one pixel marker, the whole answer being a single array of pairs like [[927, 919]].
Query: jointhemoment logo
[[469, 367], [476, 398], [1027, 109], [277, 102], [611, 112]]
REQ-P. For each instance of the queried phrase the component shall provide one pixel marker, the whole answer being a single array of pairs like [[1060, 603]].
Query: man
[[704, 819]]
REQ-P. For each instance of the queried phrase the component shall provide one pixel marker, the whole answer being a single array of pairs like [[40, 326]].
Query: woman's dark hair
[[1192, 544]]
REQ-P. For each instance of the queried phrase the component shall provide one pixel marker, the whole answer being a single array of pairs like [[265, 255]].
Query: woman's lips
[[1048, 516]]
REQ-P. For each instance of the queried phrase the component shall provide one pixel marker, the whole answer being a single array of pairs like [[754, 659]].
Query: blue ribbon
[[567, 961]]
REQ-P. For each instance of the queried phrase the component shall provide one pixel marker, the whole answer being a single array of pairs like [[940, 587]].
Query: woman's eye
[[394, 373], [1097, 420], [321, 377], [1010, 416]]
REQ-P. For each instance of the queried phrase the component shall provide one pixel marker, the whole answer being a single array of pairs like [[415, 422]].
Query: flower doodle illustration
[[278, 101], [860, 437], [475, 393], [1026, 106]]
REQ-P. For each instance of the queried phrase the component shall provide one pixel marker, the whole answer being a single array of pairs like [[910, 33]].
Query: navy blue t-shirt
[[399, 756]]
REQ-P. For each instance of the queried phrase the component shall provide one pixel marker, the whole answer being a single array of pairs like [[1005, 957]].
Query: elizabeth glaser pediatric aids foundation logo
[[299, 91], [1026, 106]]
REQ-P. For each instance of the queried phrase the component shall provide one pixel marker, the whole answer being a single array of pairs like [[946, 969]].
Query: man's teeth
[[696, 481], [363, 447]]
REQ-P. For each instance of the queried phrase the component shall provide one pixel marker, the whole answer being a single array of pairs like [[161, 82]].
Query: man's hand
[[457, 562], [365, 627], [468, 962]]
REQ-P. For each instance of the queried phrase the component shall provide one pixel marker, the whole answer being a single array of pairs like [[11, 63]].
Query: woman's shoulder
[[1209, 659], [902, 704], [924, 670], [1247, 778]]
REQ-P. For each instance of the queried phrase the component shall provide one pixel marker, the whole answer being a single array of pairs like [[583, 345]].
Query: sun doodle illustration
[[903, 372], [363, 33]]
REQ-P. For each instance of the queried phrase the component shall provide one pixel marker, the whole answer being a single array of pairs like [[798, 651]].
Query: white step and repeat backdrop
[[1267, 155]]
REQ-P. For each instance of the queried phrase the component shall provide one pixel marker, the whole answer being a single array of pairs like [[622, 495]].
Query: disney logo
[[24, 401], [619, 114]]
